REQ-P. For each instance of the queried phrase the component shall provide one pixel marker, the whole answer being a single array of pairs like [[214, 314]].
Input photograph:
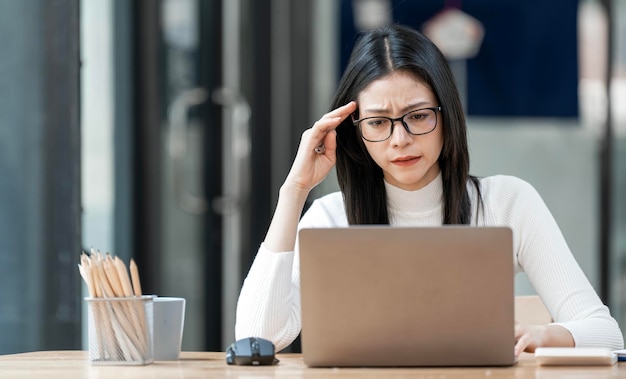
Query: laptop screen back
[[387, 296]]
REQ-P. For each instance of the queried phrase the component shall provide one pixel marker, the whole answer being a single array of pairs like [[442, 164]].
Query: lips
[[405, 161]]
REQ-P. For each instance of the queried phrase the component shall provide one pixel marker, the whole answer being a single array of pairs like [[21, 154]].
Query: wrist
[[294, 192], [556, 336]]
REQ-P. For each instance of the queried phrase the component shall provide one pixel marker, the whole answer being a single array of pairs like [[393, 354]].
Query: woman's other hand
[[530, 337]]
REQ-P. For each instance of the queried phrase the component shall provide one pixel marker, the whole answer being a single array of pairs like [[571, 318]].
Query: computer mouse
[[253, 351]]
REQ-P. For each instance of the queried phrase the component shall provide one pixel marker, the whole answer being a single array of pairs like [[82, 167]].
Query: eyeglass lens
[[420, 121]]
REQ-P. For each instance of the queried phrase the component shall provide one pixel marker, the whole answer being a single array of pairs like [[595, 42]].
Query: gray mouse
[[253, 351]]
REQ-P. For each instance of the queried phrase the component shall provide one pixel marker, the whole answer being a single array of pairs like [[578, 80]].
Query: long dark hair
[[377, 53]]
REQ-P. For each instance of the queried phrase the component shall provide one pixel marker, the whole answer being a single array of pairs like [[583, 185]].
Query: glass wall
[[618, 93], [40, 170]]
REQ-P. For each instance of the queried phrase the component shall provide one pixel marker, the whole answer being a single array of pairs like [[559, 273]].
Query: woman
[[398, 138]]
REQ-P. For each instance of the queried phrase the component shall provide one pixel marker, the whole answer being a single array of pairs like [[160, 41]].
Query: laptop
[[380, 296]]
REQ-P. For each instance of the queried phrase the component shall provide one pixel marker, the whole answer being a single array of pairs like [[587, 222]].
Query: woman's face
[[408, 161]]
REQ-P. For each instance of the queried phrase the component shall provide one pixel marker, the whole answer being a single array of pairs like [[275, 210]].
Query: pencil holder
[[120, 330]]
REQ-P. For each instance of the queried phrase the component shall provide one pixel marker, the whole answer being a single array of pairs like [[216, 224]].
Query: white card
[[575, 356]]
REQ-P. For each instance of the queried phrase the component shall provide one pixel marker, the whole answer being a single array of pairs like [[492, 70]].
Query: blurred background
[[161, 130]]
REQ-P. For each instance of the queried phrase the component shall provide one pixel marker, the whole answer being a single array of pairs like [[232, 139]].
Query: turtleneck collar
[[428, 198]]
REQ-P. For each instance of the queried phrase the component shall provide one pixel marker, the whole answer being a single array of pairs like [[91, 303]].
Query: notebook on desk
[[381, 296]]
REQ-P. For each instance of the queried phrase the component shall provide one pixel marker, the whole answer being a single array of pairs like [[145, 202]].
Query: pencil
[[134, 274]]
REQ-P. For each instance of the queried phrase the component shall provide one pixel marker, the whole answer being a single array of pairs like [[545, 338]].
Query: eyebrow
[[418, 105]]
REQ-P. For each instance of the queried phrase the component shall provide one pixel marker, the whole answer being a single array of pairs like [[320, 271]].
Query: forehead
[[396, 90]]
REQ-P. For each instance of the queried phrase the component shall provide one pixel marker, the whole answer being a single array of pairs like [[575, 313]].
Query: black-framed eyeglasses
[[379, 128]]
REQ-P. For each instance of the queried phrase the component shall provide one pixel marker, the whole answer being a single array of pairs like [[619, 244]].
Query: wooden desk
[[75, 364]]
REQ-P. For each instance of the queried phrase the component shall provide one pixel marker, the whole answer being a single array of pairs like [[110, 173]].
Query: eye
[[418, 116], [374, 122]]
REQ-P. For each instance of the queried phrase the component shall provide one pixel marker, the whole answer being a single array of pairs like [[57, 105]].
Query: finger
[[328, 144], [323, 126], [333, 119], [521, 345], [329, 122], [343, 111]]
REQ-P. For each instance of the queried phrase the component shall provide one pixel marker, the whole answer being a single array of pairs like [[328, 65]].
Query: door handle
[[236, 132], [178, 119]]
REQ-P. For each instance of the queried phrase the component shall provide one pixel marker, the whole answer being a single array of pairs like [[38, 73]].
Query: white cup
[[169, 322]]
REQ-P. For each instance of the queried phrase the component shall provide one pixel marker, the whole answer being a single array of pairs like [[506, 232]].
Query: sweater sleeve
[[543, 254], [269, 301]]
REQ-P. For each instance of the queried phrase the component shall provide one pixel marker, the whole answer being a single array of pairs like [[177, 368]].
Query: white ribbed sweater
[[269, 302]]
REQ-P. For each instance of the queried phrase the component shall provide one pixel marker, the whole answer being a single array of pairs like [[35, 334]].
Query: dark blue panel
[[528, 63]]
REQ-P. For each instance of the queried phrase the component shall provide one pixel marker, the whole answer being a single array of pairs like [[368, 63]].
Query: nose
[[399, 135]]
